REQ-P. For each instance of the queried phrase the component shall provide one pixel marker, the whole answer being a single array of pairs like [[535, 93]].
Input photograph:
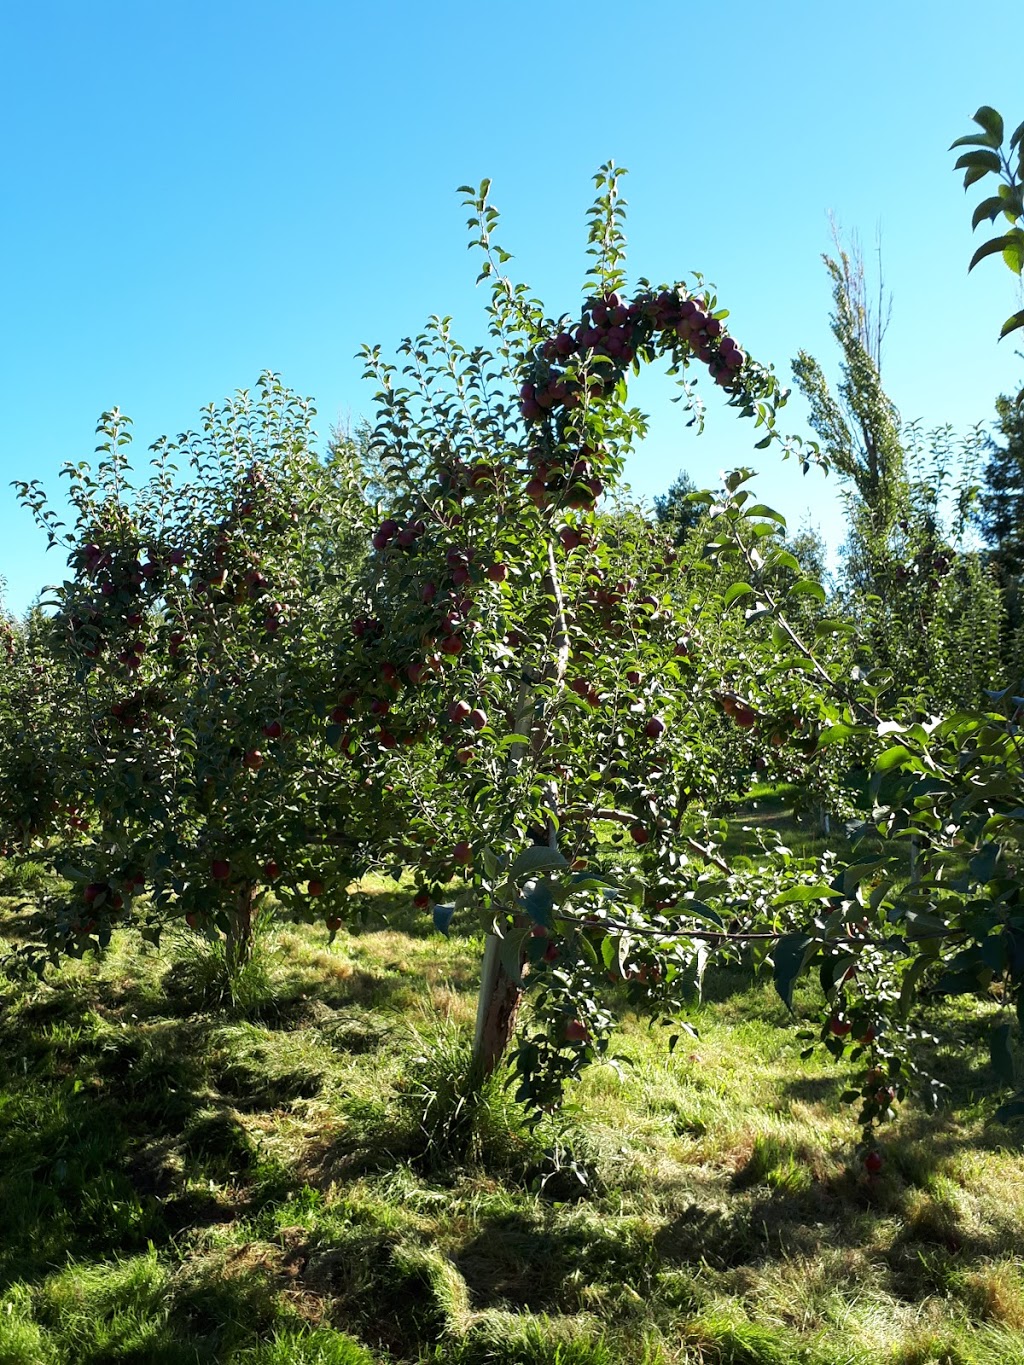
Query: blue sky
[[195, 192]]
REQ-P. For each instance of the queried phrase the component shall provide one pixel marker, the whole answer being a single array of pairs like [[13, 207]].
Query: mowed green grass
[[301, 1175]]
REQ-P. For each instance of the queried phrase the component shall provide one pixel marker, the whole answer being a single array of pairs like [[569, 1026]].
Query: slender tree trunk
[[239, 944], [500, 994], [497, 1009]]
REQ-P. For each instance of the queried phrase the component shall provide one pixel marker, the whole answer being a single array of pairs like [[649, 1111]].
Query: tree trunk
[[500, 994], [239, 940], [497, 1009]]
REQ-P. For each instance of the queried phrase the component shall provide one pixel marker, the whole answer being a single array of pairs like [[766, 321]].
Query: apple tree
[[529, 671], [35, 698], [202, 614]]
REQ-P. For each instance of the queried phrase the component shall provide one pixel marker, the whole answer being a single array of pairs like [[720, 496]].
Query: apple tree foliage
[[35, 693], [987, 156], [531, 674], [200, 621], [539, 684]]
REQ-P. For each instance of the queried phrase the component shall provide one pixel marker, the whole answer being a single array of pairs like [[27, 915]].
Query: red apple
[[839, 1026], [315, 888], [639, 834], [873, 1162], [497, 573], [575, 1032], [478, 718], [458, 711], [271, 871], [253, 760], [462, 853], [333, 923], [220, 868], [273, 729], [654, 728], [421, 900]]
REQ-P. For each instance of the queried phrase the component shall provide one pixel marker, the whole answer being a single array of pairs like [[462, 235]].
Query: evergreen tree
[[674, 513], [1001, 513]]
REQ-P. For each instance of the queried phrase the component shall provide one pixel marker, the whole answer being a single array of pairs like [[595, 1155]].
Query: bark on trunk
[[500, 995], [496, 1011], [239, 944]]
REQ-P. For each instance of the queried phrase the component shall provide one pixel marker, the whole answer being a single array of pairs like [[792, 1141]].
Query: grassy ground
[[298, 1176]]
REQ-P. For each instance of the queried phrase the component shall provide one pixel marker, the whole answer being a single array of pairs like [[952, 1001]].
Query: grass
[[299, 1172]]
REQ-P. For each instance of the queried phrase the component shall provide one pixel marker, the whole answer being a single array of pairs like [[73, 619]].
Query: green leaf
[[587, 949], [1009, 245], [799, 895], [911, 980], [966, 982], [922, 924], [791, 956], [1011, 324], [984, 862], [992, 121], [836, 734], [761, 510], [807, 587], [988, 208], [492, 862], [1001, 1052], [536, 859], [975, 174], [851, 877], [973, 140], [735, 592], [511, 956], [982, 160], [699, 911], [893, 758], [783, 559]]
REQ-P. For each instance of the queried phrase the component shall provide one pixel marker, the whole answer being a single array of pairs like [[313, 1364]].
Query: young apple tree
[[528, 671], [202, 616]]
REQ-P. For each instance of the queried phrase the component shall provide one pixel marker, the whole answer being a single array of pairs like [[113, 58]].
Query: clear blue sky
[[194, 192]]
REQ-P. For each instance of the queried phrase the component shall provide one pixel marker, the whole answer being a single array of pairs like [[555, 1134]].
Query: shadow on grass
[[543, 1262], [117, 1131]]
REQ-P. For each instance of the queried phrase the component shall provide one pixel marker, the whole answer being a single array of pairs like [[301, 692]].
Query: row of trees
[[516, 690]]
